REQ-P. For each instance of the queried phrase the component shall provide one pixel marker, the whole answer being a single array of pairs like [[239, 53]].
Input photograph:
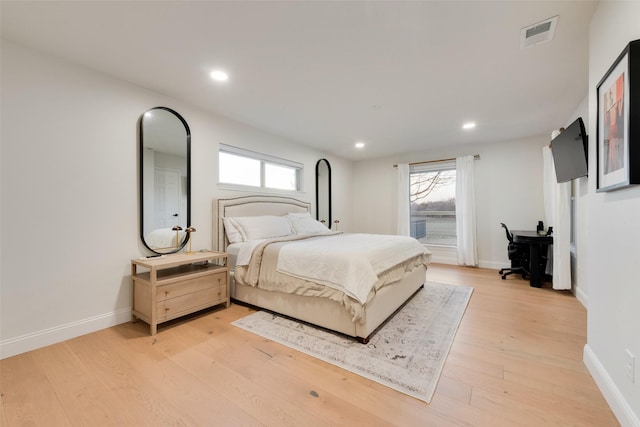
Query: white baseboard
[[454, 261], [35, 340], [443, 254], [449, 255], [494, 265], [439, 259], [581, 296], [620, 407]]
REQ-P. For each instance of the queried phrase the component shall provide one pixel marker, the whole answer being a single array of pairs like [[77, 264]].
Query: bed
[[313, 298]]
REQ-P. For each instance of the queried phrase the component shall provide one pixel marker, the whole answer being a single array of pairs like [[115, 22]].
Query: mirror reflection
[[165, 181], [323, 192]]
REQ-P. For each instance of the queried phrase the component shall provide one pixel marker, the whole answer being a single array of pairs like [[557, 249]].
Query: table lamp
[[189, 231], [177, 228]]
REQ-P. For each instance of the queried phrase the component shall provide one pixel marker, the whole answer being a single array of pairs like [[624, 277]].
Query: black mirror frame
[[328, 190], [141, 181]]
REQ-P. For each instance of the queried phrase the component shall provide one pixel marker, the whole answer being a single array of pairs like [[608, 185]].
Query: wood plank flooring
[[516, 361]]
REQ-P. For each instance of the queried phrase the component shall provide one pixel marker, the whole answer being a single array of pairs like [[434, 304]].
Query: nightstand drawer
[[190, 286], [178, 306]]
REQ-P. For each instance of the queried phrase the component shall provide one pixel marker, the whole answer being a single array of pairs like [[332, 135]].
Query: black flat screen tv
[[569, 150]]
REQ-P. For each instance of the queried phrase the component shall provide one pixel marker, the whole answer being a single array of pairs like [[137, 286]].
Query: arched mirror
[[323, 192], [165, 180]]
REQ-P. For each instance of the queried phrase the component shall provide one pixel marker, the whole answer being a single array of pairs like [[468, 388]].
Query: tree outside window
[[433, 205]]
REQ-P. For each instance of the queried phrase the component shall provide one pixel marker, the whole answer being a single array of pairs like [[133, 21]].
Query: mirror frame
[[141, 176], [328, 190]]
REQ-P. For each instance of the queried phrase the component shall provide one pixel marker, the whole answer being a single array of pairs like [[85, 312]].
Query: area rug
[[406, 354]]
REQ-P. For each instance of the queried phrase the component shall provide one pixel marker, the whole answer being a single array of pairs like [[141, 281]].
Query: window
[[248, 168], [433, 203]]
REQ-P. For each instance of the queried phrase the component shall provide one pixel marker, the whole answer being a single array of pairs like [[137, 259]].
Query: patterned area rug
[[406, 354]]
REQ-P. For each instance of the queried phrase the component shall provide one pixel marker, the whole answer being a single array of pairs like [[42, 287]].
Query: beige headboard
[[251, 206]]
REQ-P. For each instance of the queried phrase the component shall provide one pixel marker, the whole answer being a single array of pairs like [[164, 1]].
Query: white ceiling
[[400, 76]]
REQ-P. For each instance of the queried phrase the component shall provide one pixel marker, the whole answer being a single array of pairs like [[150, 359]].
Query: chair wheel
[[504, 277]]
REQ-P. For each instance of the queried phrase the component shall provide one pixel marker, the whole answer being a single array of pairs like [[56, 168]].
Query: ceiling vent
[[541, 32]]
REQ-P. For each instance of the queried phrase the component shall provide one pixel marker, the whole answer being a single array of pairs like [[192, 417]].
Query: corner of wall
[[581, 296], [625, 413]]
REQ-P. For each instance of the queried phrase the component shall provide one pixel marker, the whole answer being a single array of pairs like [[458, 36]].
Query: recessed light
[[359, 144], [219, 75], [468, 125]]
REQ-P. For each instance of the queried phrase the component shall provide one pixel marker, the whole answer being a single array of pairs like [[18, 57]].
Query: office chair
[[518, 255]]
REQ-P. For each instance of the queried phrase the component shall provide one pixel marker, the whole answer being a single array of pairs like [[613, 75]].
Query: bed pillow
[[261, 227], [302, 223], [232, 231]]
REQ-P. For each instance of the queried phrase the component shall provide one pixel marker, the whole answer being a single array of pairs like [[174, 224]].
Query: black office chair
[[518, 255]]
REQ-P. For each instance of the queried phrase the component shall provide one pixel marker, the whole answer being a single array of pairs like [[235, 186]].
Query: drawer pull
[[166, 309]]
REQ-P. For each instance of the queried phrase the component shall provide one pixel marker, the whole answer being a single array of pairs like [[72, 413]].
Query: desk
[[537, 243]]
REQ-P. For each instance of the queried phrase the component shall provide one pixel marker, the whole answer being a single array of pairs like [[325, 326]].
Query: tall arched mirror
[[323, 192], [165, 180]]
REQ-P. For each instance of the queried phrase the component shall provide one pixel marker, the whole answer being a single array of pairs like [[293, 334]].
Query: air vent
[[541, 32]]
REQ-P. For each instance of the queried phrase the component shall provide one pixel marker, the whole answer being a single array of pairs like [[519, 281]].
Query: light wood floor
[[516, 361]]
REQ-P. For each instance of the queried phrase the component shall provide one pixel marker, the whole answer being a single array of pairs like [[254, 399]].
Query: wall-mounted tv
[[569, 151]]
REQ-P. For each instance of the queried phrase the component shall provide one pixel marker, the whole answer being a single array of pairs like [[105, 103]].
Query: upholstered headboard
[[250, 206]]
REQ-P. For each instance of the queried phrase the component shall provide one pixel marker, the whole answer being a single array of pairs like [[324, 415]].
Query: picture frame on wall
[[618, 122]]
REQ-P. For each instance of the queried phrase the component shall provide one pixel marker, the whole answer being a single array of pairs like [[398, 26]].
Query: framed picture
[[618, 122]]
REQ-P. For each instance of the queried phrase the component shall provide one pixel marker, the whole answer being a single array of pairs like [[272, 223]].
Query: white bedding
[[232, 251], [301, 299], [350, 263], [244, 250]]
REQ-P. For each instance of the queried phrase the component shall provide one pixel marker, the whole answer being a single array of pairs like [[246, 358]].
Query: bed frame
[[318, 311]]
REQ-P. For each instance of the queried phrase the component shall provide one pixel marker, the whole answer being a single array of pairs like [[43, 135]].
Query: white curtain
[[403, 202], [557, 206], [466, 212]]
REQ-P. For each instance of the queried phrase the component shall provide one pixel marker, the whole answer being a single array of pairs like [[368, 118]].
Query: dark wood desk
[[537, 244]]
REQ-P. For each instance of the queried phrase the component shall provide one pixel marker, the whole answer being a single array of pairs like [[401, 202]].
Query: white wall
[[508, 189], [69, 177], [613, 235]]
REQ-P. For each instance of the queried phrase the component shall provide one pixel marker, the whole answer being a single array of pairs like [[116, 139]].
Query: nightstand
[[178, 284]]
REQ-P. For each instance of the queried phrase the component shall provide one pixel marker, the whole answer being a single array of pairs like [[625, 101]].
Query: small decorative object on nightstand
[[189, 231], [178, 284]]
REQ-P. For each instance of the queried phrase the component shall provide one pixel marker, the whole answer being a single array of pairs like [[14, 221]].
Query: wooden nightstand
[[178, 284]]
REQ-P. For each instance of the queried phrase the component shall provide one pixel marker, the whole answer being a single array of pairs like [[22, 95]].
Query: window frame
[[264, 159], [445, 165]]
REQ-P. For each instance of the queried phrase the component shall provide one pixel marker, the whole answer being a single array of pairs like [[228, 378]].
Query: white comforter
[[348, 262]]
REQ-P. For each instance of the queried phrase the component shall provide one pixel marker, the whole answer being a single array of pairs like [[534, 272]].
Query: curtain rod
[[475, 157]]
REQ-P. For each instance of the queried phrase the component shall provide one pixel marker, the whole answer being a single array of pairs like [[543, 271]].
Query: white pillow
[[299, 215], [262, 227], [231, 230], [302, 223]]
